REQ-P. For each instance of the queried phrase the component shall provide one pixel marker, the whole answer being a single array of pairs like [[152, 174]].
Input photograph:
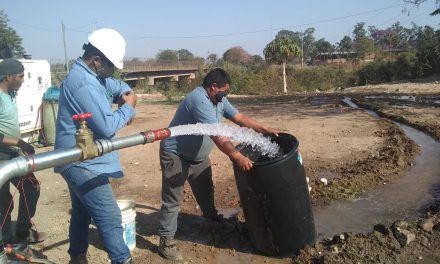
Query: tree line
[[398, 52]]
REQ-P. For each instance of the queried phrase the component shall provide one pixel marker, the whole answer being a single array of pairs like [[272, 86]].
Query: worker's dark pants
[[29, 189], [175, 171]]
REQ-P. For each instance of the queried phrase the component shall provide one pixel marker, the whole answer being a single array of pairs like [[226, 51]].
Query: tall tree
[[346, 45], [414, 35], [359, 31], [280, 50], [184, 55], [391, 40], [212, 57], [167, 55], [236, 55], [402, 35], [394, 37], [308, 41], [428, 52], [304, 39], [10, 42], [324, 47], [362, 43], [255, 59]]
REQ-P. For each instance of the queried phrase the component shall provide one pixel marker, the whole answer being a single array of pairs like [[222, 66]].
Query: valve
[[84, 137], [81, 117]]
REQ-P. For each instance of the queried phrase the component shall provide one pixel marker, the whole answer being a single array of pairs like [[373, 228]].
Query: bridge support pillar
[[150, 80]]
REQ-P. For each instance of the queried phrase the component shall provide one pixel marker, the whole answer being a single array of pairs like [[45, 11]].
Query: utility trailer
[[37, 79]]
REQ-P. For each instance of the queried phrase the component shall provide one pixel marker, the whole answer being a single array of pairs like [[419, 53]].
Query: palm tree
[[281, 50]]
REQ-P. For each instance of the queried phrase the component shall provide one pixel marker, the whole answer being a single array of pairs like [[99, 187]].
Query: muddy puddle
[[402, 199]]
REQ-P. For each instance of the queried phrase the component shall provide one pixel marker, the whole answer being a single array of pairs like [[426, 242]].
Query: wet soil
[[353, 150]]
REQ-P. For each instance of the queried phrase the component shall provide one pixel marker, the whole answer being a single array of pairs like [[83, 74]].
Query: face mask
[[220, 95], [105, 72]]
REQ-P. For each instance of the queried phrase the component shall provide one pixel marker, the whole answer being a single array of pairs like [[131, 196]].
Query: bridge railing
[[159, 66]]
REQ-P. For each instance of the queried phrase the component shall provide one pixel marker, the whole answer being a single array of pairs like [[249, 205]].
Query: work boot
[[30, 236], [168, 249], [78, 259], [128, 261], [220, 223]]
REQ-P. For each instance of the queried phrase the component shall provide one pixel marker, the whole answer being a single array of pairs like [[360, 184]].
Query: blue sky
[[202, 27]]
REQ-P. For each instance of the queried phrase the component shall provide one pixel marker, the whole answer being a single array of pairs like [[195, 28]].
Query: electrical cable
[[265, 30], [231, 34]]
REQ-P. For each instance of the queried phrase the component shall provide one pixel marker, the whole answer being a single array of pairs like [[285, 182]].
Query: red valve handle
[[81, 116]]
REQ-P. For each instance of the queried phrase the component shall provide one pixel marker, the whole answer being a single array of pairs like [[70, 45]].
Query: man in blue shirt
[[11, 146], [89, 88], [187, 157]]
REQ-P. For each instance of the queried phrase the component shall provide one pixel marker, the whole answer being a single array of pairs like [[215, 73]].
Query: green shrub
[[390, 68], [321, 78], [378, 71], [244, 80], [268, 79], [169, 89], [405, 67]]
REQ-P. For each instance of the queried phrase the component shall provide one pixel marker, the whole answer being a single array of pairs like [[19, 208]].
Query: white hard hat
[[110, 43]]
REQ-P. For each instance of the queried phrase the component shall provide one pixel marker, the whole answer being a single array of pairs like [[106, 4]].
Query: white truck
[[37, 79]]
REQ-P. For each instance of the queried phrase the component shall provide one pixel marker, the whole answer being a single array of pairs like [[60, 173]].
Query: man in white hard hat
[[89, 88]]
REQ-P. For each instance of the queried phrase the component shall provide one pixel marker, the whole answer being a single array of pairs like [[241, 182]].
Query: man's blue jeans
[[92, 197]]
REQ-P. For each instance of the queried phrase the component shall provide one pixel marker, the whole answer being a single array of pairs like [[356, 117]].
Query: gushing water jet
[[244, 135], [86, 148]]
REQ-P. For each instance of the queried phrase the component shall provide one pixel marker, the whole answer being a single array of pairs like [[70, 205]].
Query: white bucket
[[128, 222]]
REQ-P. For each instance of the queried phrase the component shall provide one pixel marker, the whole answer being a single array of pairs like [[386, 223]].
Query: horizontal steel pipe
[[54, 158], [23, 165], [125, 142]]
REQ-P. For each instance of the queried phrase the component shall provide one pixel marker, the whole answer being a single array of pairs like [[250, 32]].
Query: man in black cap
[[11, 78]]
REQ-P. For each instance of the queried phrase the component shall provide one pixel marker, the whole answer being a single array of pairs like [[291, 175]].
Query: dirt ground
[[353, 150]]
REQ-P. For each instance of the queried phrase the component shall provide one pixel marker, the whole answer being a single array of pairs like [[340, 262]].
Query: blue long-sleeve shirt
[[82, 91]]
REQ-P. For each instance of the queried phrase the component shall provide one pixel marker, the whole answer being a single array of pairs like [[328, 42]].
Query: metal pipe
[[106, 146], [23, 165], [54, 158]]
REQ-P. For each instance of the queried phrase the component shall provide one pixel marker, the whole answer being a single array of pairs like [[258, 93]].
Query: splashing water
[[243, 135]]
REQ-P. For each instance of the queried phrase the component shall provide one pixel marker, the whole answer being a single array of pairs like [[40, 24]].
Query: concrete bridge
[[153, 72]]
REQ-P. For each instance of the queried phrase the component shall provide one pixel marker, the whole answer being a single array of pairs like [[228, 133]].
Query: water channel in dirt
[[402, 199]]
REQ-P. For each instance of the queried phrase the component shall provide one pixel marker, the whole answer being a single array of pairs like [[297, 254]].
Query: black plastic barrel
[[275, 199]]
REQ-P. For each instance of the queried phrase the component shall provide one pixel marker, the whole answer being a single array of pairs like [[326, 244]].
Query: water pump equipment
[[86, 148]]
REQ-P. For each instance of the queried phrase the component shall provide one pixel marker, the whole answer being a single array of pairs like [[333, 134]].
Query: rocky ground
[[354, 151]]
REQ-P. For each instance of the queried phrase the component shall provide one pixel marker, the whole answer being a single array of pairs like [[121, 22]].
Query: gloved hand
[[25, 147]]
